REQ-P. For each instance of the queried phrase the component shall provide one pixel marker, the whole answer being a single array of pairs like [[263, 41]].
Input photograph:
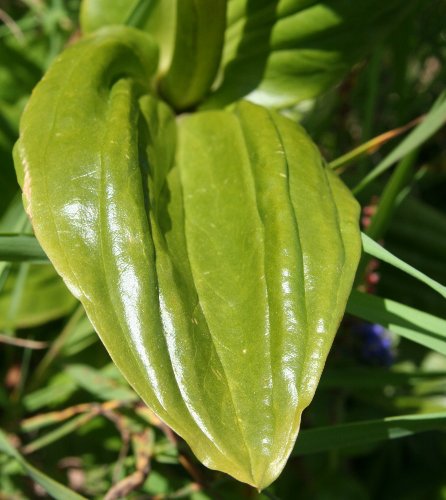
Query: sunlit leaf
[[276, 53], [190, 35], [213, 253], [153, 16]]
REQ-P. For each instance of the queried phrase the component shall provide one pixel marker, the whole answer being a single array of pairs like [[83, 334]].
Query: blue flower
[[375, 344]]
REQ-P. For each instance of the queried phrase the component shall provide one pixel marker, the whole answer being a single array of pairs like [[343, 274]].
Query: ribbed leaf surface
[[214, 253]]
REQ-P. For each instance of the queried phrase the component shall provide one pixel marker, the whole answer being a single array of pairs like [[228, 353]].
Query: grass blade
[[366, 433], [374, 249], [415, 325], [55, 489], [397, 188], [363, 379], [25, 343], [57, 345], [434, 120], [58, 433], [99, 384], [21, 248], [372, 145]]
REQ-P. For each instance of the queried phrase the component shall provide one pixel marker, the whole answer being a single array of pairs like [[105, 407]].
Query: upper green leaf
[[280, 52], [213, 253], [275, 52]]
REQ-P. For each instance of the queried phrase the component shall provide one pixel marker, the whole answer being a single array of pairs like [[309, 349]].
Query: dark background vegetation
[[371, 373]]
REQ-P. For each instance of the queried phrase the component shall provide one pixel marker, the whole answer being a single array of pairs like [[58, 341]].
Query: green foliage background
[[70, 416]]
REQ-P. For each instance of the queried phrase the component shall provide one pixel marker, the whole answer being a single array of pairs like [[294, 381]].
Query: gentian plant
[[210, 244]]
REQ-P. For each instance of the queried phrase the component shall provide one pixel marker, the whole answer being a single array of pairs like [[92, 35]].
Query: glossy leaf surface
[[213, 253]]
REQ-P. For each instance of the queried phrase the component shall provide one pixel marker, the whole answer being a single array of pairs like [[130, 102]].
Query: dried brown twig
[[26, 343], [54, 417], [143, 446]]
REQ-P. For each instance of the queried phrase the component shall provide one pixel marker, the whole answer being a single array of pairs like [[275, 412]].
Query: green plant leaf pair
[[213, 252]]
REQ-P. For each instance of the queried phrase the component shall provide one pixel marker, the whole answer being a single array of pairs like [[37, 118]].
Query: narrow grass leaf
[[397, 188], [374, 249], [16, 297], [58, 433], [434, 120], [361, 379], [371, 146], [53, 488], [415, 325], [58, 344], [365, 433], [21, 248], [98, 384], [57, 391]]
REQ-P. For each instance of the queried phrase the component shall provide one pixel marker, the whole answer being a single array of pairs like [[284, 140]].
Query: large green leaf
[[279, 52], [213, 253]]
